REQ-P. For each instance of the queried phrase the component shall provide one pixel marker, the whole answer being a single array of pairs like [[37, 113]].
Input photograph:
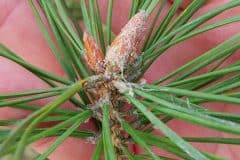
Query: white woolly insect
[[142, 81], [99, 103], [92, 140], [123, 87], [87, 120]]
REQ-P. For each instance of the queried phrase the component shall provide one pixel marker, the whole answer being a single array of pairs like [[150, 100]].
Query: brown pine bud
[[95, 57]]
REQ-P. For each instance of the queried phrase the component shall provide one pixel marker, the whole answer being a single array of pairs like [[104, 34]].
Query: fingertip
[[70, 149]]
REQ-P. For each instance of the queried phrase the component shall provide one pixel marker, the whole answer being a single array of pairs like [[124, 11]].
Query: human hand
[[19, 32]]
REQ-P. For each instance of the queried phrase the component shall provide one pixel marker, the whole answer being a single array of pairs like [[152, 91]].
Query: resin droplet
[[95, 57], [125, 47]]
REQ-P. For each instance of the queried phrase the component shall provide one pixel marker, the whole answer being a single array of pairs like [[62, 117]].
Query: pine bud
[[125, 47], [95, 57]]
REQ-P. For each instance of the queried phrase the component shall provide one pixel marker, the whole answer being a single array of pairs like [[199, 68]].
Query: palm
[[19, 31]]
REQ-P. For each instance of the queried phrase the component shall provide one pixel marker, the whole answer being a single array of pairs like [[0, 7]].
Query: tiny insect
[[124, 49]]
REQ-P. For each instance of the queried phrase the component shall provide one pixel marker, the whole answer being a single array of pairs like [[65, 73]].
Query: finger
[[197, 130], [28, 43], [185, 3], [192, 48], [180, 127], [232, 149], [185, 129], [70, 149], [6, 8], [184, 52], [115, 25], [20, 32]]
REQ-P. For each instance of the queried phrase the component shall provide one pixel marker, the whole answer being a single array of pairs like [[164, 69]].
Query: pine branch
[[104, 82]]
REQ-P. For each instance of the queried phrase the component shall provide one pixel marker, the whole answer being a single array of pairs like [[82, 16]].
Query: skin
[[19, 32]]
